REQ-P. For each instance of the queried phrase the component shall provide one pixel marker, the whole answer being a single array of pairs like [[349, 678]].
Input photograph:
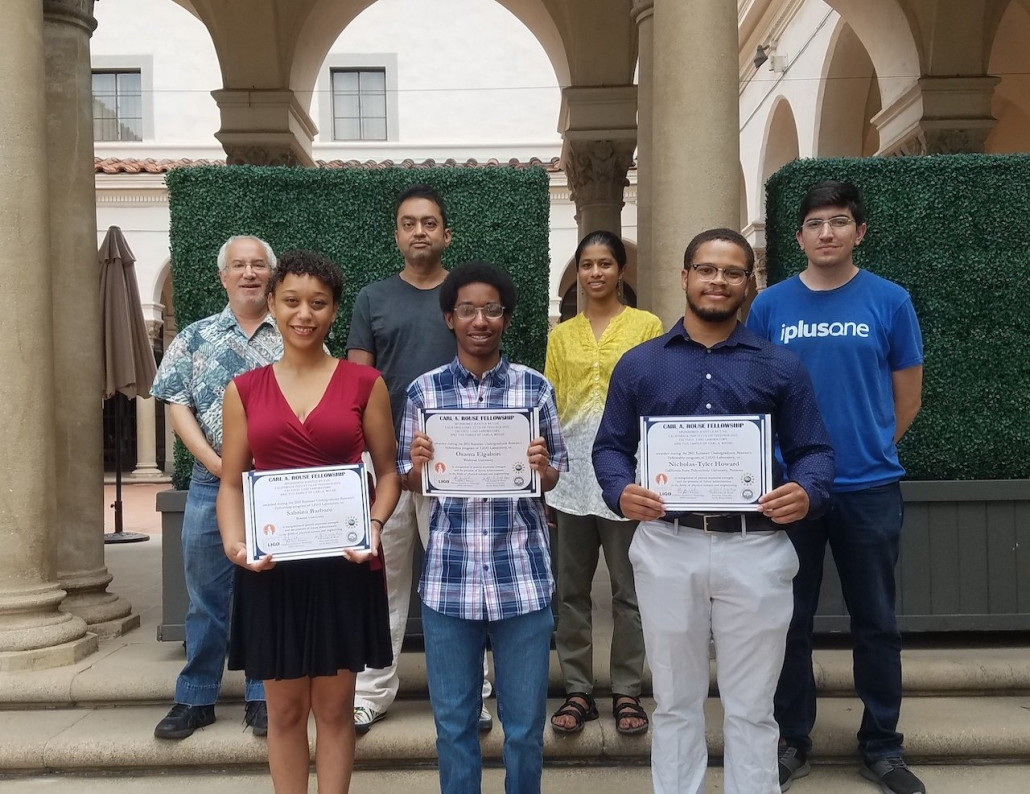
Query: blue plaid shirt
[[488, 559], [204, 357]]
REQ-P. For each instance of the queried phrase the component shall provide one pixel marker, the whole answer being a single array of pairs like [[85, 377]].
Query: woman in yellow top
[[581, 354]]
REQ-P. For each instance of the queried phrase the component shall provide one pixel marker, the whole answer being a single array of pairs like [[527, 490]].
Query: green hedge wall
[[499, 214], [951, 230]]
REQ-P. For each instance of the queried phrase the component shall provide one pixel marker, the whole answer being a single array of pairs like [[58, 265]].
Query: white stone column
[[78, 355], [696, 136], [643, 15], [34, 633], [146, 440], [598, 126], [146, 427]]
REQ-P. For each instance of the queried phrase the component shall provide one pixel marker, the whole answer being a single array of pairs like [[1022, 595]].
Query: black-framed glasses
[[836, 222], [466, 311], [733, 275]]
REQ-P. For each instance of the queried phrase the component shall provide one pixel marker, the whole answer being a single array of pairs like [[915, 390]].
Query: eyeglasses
[[733, 275], [466, 311], [836, 222], [239, 267]]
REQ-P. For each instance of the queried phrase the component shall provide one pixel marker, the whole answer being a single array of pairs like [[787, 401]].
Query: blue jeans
[[863, 529], [454, 666], [209, 580]]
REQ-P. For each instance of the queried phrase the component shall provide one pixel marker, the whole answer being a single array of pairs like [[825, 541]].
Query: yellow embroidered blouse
[[580, 367]]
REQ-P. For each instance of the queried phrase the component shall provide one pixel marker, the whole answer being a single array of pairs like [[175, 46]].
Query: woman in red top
[[307, 627]]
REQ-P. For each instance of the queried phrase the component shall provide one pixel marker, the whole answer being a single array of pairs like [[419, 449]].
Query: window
[[359, 104], [117, 106]]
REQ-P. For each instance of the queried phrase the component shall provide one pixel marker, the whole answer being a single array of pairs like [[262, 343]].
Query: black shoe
[[256, 716], [182, 720], [892, 775], [793, 764]]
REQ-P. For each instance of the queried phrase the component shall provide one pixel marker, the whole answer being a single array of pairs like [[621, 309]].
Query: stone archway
[[886, 29], [780, 145], [849, 97], [1010, 61]]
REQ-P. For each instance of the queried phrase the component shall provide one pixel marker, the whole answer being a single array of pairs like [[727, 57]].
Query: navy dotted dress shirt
[[673, 375]]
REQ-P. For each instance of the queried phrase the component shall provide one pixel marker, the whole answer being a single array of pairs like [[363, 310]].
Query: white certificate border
[[532, 488], [251, 478], [764, 422]]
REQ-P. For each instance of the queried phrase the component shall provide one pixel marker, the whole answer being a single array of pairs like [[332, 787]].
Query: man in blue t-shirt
[[859, 338]]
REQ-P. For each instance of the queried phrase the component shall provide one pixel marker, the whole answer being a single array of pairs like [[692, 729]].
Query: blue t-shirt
[[850, 339]]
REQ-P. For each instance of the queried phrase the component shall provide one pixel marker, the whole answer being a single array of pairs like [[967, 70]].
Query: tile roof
[[114, 165]]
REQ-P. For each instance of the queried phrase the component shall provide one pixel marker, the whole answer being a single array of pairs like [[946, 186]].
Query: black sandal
[[629, 707], [570, 708]]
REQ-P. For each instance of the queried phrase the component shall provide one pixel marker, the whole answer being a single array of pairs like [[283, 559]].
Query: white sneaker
[[486, 720], [365, 718]]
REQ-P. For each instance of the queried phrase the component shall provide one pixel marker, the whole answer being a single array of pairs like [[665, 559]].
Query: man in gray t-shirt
[[397, 327], [401, 326]]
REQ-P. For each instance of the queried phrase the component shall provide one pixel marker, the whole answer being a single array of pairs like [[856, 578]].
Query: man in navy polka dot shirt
[[725, 577]]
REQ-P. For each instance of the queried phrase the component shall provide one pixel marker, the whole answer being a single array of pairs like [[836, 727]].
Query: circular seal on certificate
[[519, 468], [268, 529], [519, 482], [747, 493], [352, 537], [352, 521], [747, 478]]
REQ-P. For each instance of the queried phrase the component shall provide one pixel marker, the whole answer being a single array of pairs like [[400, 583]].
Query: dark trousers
[[863, 529]]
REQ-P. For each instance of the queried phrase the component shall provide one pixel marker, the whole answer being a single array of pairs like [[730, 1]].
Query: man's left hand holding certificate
[[298, 514]]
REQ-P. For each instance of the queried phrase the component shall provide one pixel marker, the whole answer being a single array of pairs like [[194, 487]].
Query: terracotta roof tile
[[114, 165]]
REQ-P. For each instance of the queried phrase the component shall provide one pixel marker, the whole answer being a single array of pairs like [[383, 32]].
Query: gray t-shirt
[[403, 328]]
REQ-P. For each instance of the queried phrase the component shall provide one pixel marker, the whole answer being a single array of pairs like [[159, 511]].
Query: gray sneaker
[[793, 764], [892, 775]]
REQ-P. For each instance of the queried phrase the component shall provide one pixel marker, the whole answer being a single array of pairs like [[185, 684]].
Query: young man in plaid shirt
[[487, 571]]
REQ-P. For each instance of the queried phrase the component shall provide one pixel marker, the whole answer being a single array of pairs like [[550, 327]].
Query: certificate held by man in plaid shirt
[[487, 570]]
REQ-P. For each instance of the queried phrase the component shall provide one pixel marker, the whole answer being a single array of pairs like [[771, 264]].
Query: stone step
[[937, 729], [127, 670], [840, 779]]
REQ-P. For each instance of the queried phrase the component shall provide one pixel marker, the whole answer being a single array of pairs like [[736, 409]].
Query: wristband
[[379, 522]]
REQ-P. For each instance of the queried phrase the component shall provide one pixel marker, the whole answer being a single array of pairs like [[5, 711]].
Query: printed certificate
[[706, 464], [298, 514], [480, 453]]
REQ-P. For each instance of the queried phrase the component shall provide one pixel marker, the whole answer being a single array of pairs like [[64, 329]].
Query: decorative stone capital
[[643, 10], [938, 115], [264, 128], [153, 329], [597, 170], [73, 12]]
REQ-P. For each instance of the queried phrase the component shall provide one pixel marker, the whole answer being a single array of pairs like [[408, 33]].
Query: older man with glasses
[[195, 370]]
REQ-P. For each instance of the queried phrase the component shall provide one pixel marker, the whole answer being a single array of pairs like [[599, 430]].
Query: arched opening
[[495, 79], [326, 20], [1010, 104], [849, 97], [781, 142], [887, 30], [569, 285]]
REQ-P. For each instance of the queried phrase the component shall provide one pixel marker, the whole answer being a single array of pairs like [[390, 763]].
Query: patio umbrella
[[129, 366]]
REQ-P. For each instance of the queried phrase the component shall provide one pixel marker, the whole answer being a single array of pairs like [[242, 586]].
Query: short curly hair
[[478, 273], [307, 263]]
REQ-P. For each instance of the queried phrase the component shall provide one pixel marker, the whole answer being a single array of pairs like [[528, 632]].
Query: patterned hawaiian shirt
[[204, 357], [488, 559]]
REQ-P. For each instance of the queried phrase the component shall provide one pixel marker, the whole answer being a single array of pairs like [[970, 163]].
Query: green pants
[[578, 540]]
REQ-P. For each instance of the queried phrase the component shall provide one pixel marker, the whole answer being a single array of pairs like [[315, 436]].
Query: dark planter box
[[174, 598], [964, 562]]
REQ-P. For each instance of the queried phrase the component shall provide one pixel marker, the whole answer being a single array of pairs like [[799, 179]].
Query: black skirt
[[309, 618]]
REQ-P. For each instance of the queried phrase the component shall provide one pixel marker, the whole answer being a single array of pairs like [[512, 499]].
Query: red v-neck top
[[331, 434]]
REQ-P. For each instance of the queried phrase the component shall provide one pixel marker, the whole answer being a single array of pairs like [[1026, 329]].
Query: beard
[[714, 315]]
